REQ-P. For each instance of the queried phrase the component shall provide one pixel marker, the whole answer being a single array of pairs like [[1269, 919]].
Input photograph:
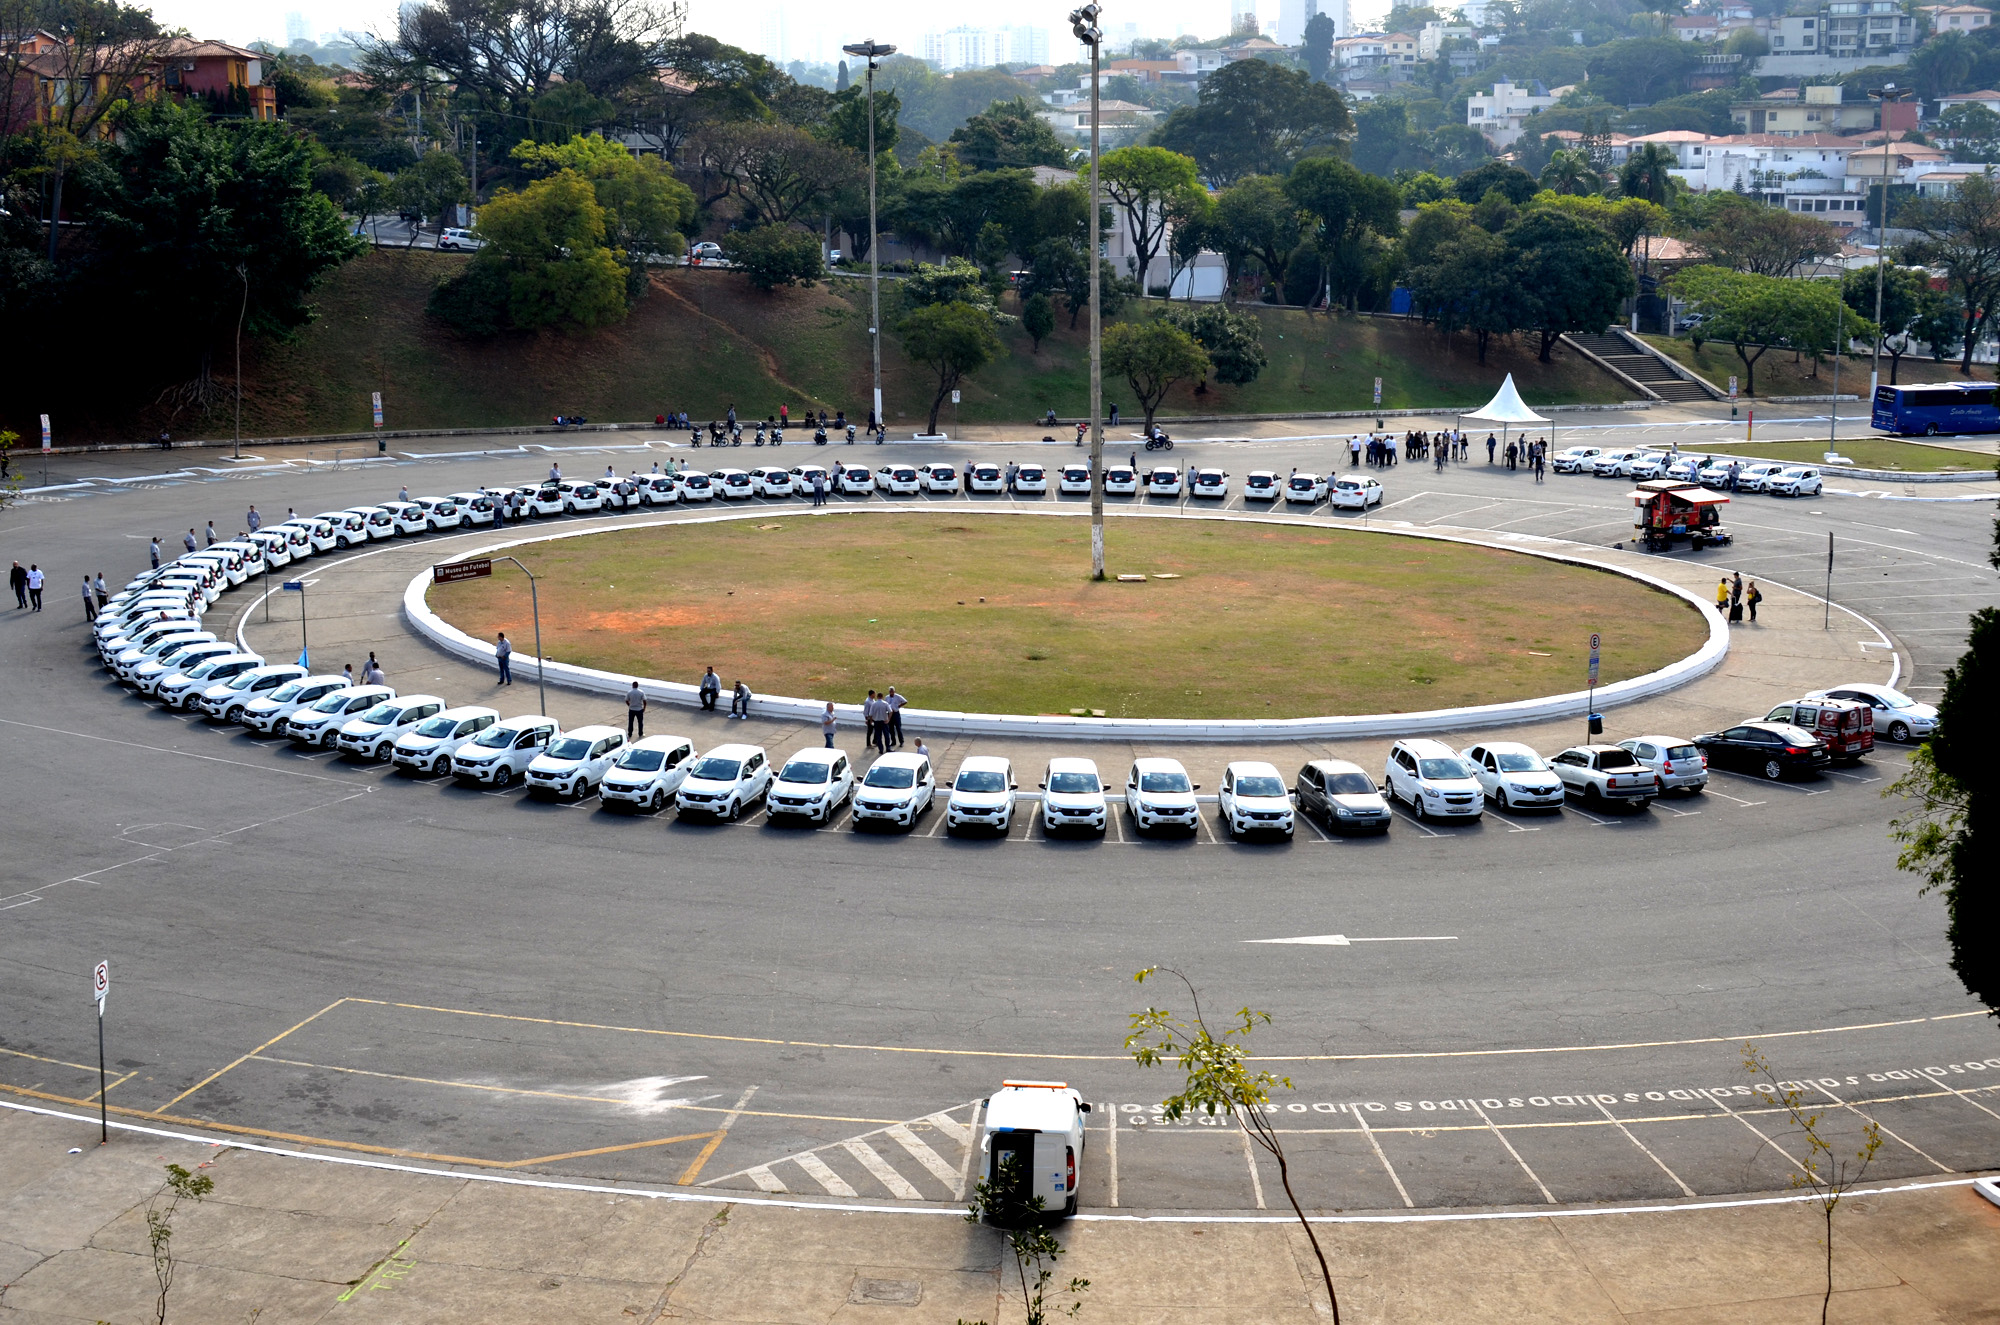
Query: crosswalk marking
[[816, 1168], [766, 1180], [951, 1127], [879, 1168], [924, 1155]]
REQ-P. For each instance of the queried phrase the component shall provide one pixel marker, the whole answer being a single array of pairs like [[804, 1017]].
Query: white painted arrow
[[1341, 940]]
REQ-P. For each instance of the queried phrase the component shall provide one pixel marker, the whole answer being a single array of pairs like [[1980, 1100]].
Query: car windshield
[[642, 761], [717, 770], [569, 747], [201, 672], [286, 693], [1896, 699], [1439, 769], [1350, 784], [1520, 762], [381, 714], [1683, 752], [1302, 482], [1260, 785], [437, 727], [981, 780], [331, 704], [807, 770], [1163, 782], [890, 776], [1073, 784], [242, 679], [1616, 759], [498, 738], [1209, 476]]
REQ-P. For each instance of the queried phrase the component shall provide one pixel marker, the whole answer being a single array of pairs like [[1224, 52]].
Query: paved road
[[329, 951]]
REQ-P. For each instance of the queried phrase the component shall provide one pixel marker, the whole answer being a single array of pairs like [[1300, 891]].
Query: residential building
[[1146, 71], [1697, 27], [230, 78], [1988, 99], [1956, 18], [1399, 50], [1254, 47], [966, 47], [1121, 121], [1431, 40], [1794, 34], [1358, 53], [1858, 29], [1479, 13], [1200, 63], [1502, 113], [1938, 183], [1792, 111]]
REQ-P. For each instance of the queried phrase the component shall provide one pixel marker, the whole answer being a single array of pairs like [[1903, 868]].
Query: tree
[[1022, 1222], [847, 123], [953, 281], [1753, 313], [1255, 118], [1009, 135], [1234, 342], [181, 1185], [951, 340], [1572, 278], [1905, 293], [1517, 184], [1144, 182], [1642, 70], [1316, 47], [779, 171], [1219, 1083], [429, 187], [1960, 232], [1153, 357], [1060, 266], [1940, 65], [774, 255], [1343, 208], [1645, 174], [1257, 217], [1570, 173], [1382, 141], [646, 209], [1971, 131], [1190, 230], [1421, 186], [514, 51], [1469, 283], [548, 239], [1765, 241], [1038, 318]]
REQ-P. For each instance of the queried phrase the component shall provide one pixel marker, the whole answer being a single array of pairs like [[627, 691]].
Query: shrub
[[775, 255]]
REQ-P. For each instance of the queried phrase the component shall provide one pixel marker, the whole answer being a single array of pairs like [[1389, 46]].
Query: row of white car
[[1772, 476]]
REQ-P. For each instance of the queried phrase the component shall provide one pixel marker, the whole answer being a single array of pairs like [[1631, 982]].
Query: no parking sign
[[1593, 657]]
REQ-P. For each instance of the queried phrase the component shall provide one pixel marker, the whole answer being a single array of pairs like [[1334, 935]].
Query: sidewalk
[[290, 1239]]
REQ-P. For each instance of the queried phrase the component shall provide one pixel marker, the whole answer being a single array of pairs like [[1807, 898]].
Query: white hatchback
[[407, 516], [277, 545], [1606, 464], [225, 700], [1163, 481], [178, 688], [659, 489], [1158, 794], [429, 746], [574, 762], [647, 773], [1354, 493], [372, 733], [902, 480], [855, 480], [1513, 776], [735, 484], [269, 713], [982, 795], [1073, 480], [320, 723], [1208, 483], [350, 529], [1795, 481], [939, 477], [1430, 778], [771, 481], [725, 781], [696, 486], [474, 508], [580, 497], [1575, 459], [376, 521], [1073, 797], [150, 675], [1307, 488], [503, 751], [441, 512], [813, 784], [1261, 485], [985, 477], [897, 789], [1754, 478], [1254, 800], [1032, 478], [1121, 481]]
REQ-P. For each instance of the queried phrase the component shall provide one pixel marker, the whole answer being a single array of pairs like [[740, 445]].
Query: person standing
[[34, 587], [210, 534], [1736, 589], [1541, 458], [1114, 414], [711, 686], [828, 724], [500, 513], [819, 488], [402, 494], [103, 594], [923, 751], [635, 711], [17, 580], [1492, 444], [347, 670], [895, 703], [89, 602], [1354, 450], [739, 701], [254, 520], [504, 653], [868, 716], [155, 550], [189, 540], [1751, 597], [372, 673]]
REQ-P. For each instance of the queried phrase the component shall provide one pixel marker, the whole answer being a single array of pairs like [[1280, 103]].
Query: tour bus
[[1943, 407]]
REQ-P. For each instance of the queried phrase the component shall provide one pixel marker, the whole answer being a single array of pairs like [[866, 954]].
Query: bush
[[1038, 317], [1234, 341], [775, 255], [1303, 279], [474, 302]]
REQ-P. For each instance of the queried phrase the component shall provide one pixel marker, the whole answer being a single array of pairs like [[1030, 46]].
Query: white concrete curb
[[456, 642]]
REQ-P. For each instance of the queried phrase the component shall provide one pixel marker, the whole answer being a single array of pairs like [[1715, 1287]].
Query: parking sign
[[45, 432], [100, 985], [378, 408], [1378, 390], [1593, 657]]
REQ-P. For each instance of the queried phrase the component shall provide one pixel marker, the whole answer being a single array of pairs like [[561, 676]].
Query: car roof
[[279, 667], [983, 764], [656, 742], [1071, 764], [1261, 473], [593, 730], [1655, 738], [814, 754], [322, 676], [526, 720], [468, 711], [419, 699], [373, 692], [1513, 747], [1337, 766], [1155, 764], [898, 759], [235, 656], [1254, 766], [732, 750], [1306, 474], [1600, 747], [1423, 745]]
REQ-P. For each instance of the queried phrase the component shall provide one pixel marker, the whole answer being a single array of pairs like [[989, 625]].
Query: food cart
[[1670, 509]]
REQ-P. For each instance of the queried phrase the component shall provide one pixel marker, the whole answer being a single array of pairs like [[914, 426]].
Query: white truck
[[1034, 1149]]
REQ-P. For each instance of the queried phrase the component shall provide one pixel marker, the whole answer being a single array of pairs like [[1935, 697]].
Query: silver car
[[1675, 760]]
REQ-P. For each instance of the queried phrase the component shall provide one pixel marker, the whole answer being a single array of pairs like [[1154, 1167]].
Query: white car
[[1208, 483], [725, 781], [1603, 774], [1676, 761], [1261, 485], [982, 795], [854, 480], [1715, 474], [897, 789], [1307, 488], [1073, 480], [149, 676], [900, 480], [1645, 465], [1158, 794], [269, 713], [1073, 797], [441, 513], [1513, 776], [298, 544], [771, 481], [1755, 477], [225, 700], [244, 558], [647, 773], [580, 497], [1795, 481], [802, 479], [182, 688], [1032, 478], [429, 746], [1687, 469], [696, 486], [575, 762], [191, 582], [660, 489], [453, 238], [372, 733], [939, 477], [407, 517], [1575, 459], [1430, 778], [349, 528], [1897, 716], [1254, 800], [1607, 464], [137, 640], [1356, 493], [813, 784], [1163, 481], [622, 494], [376, 521], [1121, 481], [319, 724], [982, 476], [503, 751], [319, 533], [474, 508], [162, 639], [735, 484], [1034, 1144]]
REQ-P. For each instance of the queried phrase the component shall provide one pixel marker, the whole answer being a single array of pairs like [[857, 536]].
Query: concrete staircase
[[1638, 363]]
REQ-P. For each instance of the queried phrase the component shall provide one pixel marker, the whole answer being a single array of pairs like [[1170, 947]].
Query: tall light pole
[[871, 51], [1886, 96], [1083, 22], [244, 272]]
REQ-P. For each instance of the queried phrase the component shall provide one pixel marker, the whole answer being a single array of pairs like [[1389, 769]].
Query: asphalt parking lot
[[1533, 1009]]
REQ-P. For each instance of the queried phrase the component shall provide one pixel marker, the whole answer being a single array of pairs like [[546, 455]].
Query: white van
[[1034, 1147]]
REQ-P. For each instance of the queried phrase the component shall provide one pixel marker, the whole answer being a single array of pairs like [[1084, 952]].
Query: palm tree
[[1645, 174], [1570, 172]]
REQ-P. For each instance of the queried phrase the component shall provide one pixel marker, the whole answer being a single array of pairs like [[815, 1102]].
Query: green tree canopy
[[1008, 135], [1960, 232], [1255, 118], [1908, 302], [1143, 182], [1344, 209], [774, 255], [1572, 277], [549, 241], [1517, 184], [1257, 218], [1753, 313], [1746, 235], [952, 340], [1153, 357], [1234, 342]]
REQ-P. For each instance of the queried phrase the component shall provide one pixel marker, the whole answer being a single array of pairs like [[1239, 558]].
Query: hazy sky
[[755, 24]]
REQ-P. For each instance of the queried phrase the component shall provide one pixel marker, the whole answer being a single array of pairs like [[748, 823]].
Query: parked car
[[1676, 761], [1261, 485], [1575, 459], [984, 476], [1073, 480], [1772, 750], [453, 238], [474, 508], [1514, 776], [897, 789], [660, 489], [1607, 464], [696, 485], [1309, 489], [803, 475], [1121, 481], [735, 484], [1754, 477], [1254, 800], [177, 663], [319, 724], [940, 478], [1605, 775], [854, 480], [181, 689], [1795, 481], [725, 782], [1163, 481], [429, 746], [441, 513], [350, 529], [647, 773], [270, 713], [1355, 493], [813, 784], [772, 481], [405, 517], [502, 753], [899, 480], [1341, 796], [1430, 778], [1034, 1145], [373, 733], [1032, 478], [1847, 726], [1073, 797], [575, 762], [1897, 716], [1645, 465], [982, 795], [1159, 794], [1208, 483]]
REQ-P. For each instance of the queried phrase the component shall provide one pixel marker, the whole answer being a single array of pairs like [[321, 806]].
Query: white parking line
[[1412, 820]]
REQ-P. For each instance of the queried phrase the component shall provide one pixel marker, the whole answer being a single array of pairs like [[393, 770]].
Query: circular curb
[[1704, 660]]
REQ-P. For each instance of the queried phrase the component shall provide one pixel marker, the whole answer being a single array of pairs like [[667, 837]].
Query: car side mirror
[[1042, 785], [1197, 786], [1013, 786], [1083, 1106]]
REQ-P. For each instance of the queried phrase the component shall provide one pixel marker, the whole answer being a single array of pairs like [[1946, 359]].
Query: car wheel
[[1593, 797], [441, 767], [735, 812], [1642, 806], [1899, 731], [659, 801], [1773, 769], [503, 777]]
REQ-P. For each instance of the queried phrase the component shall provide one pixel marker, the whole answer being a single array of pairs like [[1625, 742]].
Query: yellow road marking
[[693, 1170], [246, 1057], [113, 1086], [58, 1062], [610, 1150]]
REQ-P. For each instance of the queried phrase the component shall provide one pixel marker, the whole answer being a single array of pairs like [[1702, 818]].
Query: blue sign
[[295, 586]]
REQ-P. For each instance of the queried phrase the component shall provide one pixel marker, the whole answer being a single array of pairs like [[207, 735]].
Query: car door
[[756, 777], [926, 788], [1309, 791], [674, 769], [527, 745], [1226, 797]]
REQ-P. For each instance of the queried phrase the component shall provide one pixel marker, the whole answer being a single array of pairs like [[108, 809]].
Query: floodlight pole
[[1885, 96], [1083, 23], [541, 663], [871, 51]]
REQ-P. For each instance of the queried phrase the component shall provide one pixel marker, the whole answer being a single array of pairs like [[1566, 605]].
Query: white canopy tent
[[1509, 411]]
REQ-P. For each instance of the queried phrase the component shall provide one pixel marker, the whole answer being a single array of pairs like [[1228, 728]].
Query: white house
[[1988, 99], [1433, 36], [1502, 113]]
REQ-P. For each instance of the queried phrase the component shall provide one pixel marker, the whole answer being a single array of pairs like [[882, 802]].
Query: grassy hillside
[[1783, 373], [703, 340]]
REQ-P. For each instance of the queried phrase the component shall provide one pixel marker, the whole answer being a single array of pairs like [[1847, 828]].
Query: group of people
[[729, 428], [711, 690], [1732, 596]]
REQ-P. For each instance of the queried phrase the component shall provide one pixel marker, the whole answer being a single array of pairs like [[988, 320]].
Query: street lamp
[[244, 272], [1887, 95], [871, 51], [1083, 23]]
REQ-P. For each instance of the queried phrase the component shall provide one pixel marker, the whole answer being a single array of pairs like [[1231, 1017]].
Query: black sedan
[[1768, 749]]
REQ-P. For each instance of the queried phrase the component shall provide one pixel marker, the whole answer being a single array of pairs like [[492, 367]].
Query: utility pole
[[1885, 96], [871, 51], [1083, 23], [244, 272]]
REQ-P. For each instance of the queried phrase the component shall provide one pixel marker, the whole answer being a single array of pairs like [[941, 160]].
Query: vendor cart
[[1669, 509]]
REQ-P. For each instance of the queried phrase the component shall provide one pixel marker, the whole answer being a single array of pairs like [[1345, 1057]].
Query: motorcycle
[[819, 436], [760, 435], [850, 434], [1159, 441]]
